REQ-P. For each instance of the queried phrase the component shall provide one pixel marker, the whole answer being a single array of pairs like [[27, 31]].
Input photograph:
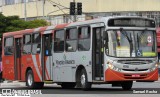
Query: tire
[[127, 85], [1, 79], [85, 85], [30, 81], [68, 85]]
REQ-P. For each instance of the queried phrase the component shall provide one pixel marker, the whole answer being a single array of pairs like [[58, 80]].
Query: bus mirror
[[105, 36]]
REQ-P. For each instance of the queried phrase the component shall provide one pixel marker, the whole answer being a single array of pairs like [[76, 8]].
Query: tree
[[14, 23]]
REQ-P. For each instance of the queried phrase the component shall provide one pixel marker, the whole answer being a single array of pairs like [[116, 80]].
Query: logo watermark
[[18, 93], [145, 91]]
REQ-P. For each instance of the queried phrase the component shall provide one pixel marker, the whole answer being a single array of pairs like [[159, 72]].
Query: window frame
[[8, 46], [79, 30], [54, 36], [35, 42], [27, 44], [67, 30]]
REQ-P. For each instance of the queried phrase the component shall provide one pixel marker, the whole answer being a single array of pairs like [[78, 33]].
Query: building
[[57, 11]]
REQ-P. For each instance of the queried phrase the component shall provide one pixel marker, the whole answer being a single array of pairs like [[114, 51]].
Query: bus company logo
[[136, 69], [65, 61]]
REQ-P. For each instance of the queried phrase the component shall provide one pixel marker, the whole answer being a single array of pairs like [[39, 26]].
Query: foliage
[[14, 23]]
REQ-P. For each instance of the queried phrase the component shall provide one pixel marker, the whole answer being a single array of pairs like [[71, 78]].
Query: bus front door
[[47, 57], [97, 54], [17, 58]]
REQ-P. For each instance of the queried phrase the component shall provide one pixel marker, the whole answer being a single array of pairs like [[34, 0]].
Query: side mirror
[[105, 36]]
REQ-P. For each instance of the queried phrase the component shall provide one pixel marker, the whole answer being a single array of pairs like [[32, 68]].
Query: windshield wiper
[[130, 40], [140, 36]]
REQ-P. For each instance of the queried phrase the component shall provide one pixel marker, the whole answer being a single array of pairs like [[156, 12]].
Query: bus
[[158, 45], [113, 50], [0, 58]]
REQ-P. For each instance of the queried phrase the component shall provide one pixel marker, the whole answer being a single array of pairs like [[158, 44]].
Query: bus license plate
[[135, 75]]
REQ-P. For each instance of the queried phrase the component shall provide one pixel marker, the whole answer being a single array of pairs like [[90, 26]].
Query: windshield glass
[[125, 43]]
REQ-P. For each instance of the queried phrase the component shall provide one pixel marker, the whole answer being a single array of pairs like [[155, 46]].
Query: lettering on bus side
[[62, 62]]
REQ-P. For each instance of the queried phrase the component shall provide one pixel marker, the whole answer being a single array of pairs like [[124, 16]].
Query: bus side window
[[71, 40], [36, 43], [84, 38], [8, 46], [59, 41], [26, 44]]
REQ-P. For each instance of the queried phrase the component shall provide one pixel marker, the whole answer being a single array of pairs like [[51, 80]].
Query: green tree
[[14, 23]]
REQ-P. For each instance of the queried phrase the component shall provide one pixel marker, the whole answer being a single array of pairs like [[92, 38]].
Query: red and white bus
[[111, 50]]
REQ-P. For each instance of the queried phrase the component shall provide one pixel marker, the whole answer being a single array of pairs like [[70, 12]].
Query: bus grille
[[135, 70], [135, 62]]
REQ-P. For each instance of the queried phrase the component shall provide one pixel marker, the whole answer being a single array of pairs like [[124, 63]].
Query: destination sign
[[131, 22]]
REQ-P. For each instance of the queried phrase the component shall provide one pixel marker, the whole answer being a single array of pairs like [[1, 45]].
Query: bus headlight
[[110, 66], [154, 67]]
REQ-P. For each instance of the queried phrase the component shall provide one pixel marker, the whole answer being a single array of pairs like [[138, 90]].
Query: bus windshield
[[127, 43]]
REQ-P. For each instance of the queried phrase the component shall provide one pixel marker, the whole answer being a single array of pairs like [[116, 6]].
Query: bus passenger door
[[47, 57], [97, 54], [17, 58]]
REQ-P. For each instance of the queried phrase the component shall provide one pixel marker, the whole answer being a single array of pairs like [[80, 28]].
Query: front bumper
[[111, 75]]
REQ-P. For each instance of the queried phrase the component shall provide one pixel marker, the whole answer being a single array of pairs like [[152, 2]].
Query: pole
[[43, 8], [25, 11], [75, 11]]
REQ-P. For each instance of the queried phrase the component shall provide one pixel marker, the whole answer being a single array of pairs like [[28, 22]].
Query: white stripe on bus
[[36, 67]]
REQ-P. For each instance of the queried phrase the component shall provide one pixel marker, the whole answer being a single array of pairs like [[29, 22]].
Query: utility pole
[[25, 11]]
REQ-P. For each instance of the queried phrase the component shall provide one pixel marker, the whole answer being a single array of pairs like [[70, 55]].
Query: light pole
[[43, 2], [25, 11]]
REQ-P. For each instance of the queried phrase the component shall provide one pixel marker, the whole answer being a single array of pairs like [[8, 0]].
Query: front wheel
[[85, 85], [127, 85]]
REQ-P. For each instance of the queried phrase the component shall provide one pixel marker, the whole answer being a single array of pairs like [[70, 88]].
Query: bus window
[[9, 41], [71, 40], [27, 44], [59, 41], [36, 46], [84, 39], [8, 45]]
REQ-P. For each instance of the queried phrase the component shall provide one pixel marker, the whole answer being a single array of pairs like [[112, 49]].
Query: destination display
[[131, 22]]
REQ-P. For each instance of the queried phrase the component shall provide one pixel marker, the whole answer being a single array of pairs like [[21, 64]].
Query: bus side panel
[[37, 67], [31, 61], [8, 67]]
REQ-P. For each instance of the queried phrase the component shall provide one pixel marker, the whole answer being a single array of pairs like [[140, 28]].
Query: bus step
[[98, 78], [48, 81]]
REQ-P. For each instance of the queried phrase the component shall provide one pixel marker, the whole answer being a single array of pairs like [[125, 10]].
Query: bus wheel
[[85, 85], [127, 85], [30, 81], [68, 85]]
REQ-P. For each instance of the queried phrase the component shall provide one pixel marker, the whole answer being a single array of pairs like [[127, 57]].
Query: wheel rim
[[30, 79], [83, 79]]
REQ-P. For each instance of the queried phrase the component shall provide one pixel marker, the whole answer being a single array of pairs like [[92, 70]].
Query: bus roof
[[61, 26]]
